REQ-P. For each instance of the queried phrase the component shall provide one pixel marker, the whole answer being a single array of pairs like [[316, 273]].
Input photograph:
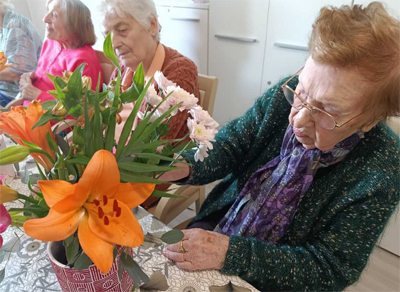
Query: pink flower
[[5, 221]]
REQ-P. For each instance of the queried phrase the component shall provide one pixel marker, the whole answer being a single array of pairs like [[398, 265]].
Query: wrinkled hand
[[182, 170], [29, 92], [26, 79], [203, 250]]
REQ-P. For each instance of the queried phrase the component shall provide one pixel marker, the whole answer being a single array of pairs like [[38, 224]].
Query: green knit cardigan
[[339, 218]]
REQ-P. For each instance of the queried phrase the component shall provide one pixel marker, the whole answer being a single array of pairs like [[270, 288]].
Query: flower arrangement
[[89, 181]]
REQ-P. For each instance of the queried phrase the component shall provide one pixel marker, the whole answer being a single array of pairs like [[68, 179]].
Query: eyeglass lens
[[323, 119]]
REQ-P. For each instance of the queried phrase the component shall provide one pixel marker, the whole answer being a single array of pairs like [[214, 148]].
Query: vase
[[89, 279]]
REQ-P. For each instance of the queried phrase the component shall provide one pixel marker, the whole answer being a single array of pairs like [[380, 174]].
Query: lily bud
[[13, 154], [86, 82], [7, 194], [59, 109]]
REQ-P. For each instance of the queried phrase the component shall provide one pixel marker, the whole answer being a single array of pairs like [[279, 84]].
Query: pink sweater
[[55, 59]]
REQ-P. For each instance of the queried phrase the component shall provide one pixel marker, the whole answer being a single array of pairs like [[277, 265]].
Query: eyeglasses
[[321, 117]]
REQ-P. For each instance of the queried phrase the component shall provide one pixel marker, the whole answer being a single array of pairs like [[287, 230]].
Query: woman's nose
[[115, 40], [302, 118], [46, 18]]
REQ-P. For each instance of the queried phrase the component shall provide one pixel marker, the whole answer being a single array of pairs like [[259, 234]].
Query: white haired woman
[[21, 44], [135, 35], [70, 36], [304, 199]]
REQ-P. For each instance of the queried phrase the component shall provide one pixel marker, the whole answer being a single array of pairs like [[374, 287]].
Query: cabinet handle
[[291, 46], [186, 19], [235, 38]]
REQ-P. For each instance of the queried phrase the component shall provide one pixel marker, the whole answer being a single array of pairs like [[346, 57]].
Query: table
[[29, 268]]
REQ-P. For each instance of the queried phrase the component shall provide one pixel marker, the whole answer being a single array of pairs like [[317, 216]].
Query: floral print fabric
[[268, 202]]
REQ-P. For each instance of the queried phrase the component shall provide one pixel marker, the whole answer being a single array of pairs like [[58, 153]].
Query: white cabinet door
[[238, 30], [186, 30], [289, 29]]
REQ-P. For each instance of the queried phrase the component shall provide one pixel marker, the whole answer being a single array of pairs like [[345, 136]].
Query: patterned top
[[21, 44], [338, 221]]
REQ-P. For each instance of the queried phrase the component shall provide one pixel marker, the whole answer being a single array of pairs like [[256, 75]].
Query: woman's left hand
[[199, 250], [30, 92]]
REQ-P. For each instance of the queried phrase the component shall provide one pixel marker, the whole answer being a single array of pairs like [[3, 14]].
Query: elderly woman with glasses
[[69, 39], [303, 200]]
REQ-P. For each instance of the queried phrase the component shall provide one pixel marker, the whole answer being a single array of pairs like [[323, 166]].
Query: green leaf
[[78, 159], [82, 262], [109, 51], [172, 236], [146, 127], [53, 145], [152, 156], [46, 117], [134, 270], [110, 132], [59, 84], [143, 167], [73, 98], [132, 177], [138, 78], [97, 127], [71, 249], [163, 194], [127, 129]]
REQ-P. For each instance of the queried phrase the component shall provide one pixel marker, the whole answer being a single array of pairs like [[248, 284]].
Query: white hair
[[143, 11], [6, 4]]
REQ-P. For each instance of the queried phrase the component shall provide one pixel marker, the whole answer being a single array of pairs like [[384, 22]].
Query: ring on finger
[[182, 248]]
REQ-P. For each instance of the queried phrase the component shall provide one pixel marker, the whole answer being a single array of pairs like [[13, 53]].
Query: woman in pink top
[[70, 35]]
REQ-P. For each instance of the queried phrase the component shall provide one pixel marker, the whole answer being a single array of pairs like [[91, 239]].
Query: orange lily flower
[[18, 123], [98, 205]]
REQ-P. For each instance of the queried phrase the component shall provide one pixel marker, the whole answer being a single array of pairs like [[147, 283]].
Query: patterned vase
[[89, 279]]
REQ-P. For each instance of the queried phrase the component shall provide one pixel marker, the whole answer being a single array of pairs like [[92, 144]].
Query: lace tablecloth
[[29, 268]]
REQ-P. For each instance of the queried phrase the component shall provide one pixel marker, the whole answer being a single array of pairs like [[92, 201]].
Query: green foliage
[[172, 236], [133, 269]]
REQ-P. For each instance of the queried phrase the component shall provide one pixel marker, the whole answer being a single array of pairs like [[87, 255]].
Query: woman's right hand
[[182, 170]]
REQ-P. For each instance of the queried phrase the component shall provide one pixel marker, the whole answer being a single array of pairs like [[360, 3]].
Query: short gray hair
[[78, 22], [143, 11], [6, 4]]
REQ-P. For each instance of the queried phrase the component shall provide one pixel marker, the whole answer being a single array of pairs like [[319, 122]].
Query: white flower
[[152, 98], [203, 117], [200, 133], [177, 95], [162, 82], [201, 153]]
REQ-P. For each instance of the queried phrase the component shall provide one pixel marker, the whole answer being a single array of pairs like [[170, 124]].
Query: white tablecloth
[[29, 268]]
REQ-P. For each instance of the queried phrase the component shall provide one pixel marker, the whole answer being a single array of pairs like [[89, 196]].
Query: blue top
[[21, 44]]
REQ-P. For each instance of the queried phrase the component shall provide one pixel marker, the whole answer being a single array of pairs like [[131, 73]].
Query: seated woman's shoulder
[[174, 58]]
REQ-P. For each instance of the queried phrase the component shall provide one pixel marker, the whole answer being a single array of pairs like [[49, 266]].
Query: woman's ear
[[369, 125], [154, 27]]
